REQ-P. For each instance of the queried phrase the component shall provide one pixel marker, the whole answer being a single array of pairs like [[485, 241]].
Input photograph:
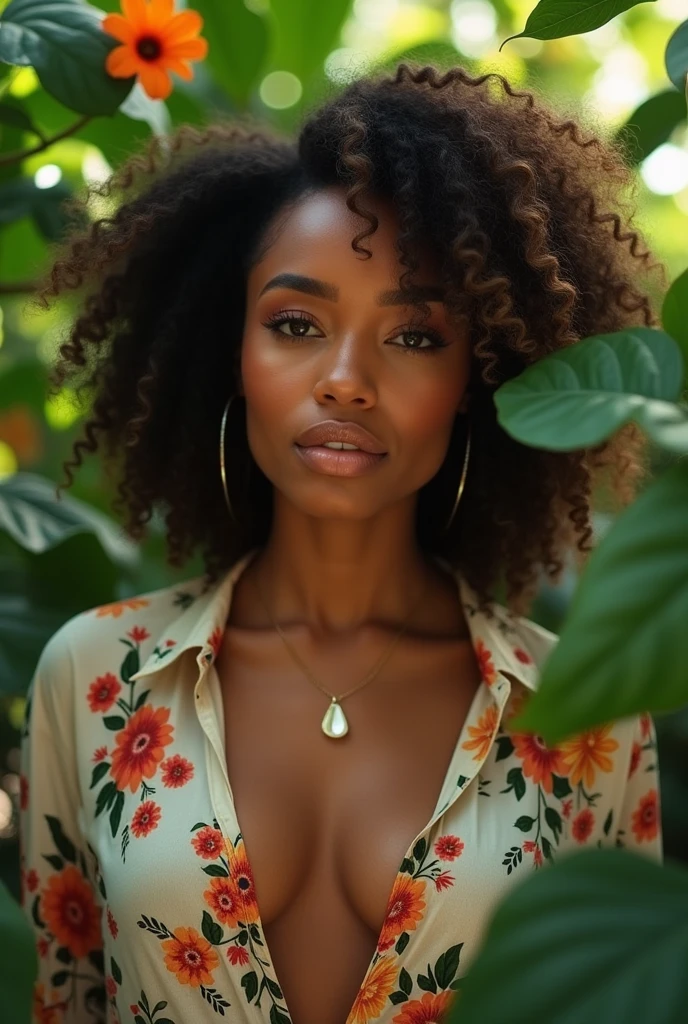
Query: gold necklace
[[334, 723]]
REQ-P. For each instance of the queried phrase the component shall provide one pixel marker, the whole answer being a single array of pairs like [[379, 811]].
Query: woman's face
[[345, 351]]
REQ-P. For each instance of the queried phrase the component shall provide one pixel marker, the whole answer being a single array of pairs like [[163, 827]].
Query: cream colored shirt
[[136, 879]]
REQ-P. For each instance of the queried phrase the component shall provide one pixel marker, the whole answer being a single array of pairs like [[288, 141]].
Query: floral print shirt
[[134, 874]]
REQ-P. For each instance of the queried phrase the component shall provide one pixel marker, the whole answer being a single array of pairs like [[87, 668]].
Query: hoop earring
[[462, 481], [223, 472]]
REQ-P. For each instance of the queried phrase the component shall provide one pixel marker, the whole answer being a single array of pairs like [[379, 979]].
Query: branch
[[21, 154]]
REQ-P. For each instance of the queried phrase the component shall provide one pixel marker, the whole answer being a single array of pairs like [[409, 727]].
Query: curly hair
[[523, 211]]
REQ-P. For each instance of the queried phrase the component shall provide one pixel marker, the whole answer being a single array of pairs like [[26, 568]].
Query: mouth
[[339, 461]]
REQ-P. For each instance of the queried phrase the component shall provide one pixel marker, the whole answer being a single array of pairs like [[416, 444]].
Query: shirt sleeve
[[640, 823], [58, 893]]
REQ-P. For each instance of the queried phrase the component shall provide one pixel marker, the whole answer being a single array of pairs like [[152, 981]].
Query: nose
[[346, 375]]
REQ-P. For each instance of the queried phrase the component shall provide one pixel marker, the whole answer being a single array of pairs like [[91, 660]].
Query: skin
[[354, 364]]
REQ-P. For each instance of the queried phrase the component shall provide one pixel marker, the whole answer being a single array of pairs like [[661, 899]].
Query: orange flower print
[[372, 996], [428, 1010], [208, 843], [582, 825], [145, 818], [32, 880], [215, 640], [141, 746], [155, 42], [138, 634], [224, 899], [522, 656], [242, 876], [112, 924], [42, 1014], [99, 754], [70, 912], [103, 693], [404, 909], [540, 762], [118, 607], [176, 771], [484, 658], [190, 957], [482, 733], [645, 821], [443, 881], [636, 754], [237, 955], [448, 847], [587, 752]]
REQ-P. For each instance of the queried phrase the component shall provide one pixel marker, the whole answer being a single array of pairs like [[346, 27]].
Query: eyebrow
[[323, 290]]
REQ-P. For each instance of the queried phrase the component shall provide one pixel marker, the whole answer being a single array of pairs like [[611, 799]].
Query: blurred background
[[272, 58]]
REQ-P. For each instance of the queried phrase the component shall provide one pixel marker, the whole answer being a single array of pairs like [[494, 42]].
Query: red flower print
[[70, 912], [484, 658], [566, 808], [646, 817], [118, 607], [141, 746], [138, 634], [443, 881], [645, 725], [99, 754], [32, 880], [176, 771], [404, 909], [537, 856], [237, 955], [23, 792], [103, 693], [170, 643], [540, 762], [371, 999], [111, 986], [448, 847], [529, 845], [522, 656], [43, 946], [112, 924], [208, 843], [224, 899], [215, 640], [428, 1010], [582, 825], [145, 818], [134, 1008], [636, 754], [482, 733], [190, 957]]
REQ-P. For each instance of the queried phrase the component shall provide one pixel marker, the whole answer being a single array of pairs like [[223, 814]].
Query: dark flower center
[[148, 47]]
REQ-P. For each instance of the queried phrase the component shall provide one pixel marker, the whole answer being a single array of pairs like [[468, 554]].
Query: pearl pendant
[[334, 724]]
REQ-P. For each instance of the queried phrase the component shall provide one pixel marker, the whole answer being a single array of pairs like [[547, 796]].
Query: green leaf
[[624, 645], [211, 929], [516, 781], [675, 314], [130, 665], [65, 44], [676, 57], [216, 870], [105, 797], [650, 125], [114, 722], [553, 19], [238, 43], [115, 970], [116, 813], [525, 823], [447, 965], [560, 786], [304, 33], [100, 769], [405, 981], [249, 982], [579, 396], [19, 965], [420, 848], [601, 935], [64, 845]]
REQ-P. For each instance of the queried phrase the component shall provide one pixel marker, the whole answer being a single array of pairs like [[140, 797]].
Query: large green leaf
[[675, 314], [578, 396], [305, 32], [63, 41], [600, 936], [651, 124], [18, 962], [553, 19], [676, 57], [238, 41], [624, 645]]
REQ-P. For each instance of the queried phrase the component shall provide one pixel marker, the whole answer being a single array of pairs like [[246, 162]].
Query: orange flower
[[140, 746], [208, 843], [242, 877], [190, 957], [646, 817], [588, 751], [540, 762], [484, 658], [224, 899], [428, 1010], [70, 912], [117, 607], [404, 909], [176, 771], [43, 1014], [155, 41], [372, 995], [145, 818], [103, 692], [482, 733]]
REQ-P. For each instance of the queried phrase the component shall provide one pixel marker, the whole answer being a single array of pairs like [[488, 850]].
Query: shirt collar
[[495, 634]]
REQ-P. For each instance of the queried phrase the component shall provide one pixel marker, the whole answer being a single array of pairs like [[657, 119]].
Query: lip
[[339, 463], [340, 430]]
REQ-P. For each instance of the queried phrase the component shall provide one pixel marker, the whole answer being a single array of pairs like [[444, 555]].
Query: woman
[[287, 789]]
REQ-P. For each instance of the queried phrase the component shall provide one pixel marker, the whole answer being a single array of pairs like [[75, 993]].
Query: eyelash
[[274, 322]]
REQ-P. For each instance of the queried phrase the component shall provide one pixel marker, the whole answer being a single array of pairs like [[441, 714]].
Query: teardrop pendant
[[334, 724]]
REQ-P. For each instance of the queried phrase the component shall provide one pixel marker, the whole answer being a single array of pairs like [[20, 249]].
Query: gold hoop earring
[[223, 472], [462, 481]]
